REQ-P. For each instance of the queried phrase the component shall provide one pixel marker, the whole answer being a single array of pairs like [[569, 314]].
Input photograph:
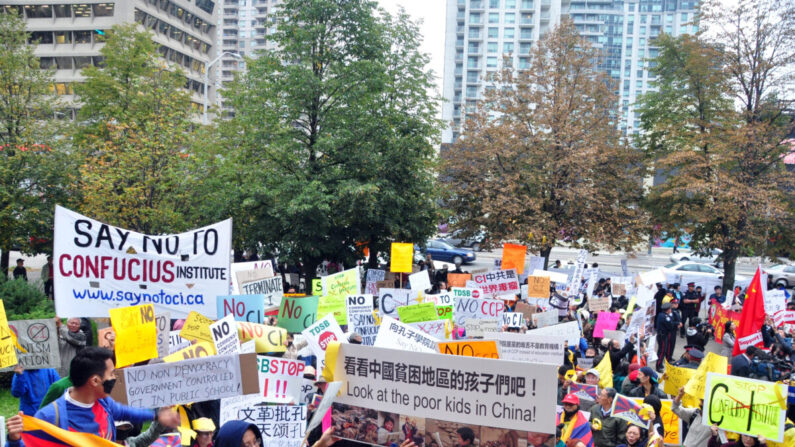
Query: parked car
[[442, 251], [457, 239], [782, 274], [710, 257], [692, 268]]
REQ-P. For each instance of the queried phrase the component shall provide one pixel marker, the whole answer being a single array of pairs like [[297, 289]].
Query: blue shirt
[[31, 386]]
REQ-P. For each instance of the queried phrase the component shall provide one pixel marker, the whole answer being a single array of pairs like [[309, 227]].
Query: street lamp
[[207, 78]]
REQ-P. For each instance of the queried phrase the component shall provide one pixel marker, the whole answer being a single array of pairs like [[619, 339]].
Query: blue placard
[[249, 308]]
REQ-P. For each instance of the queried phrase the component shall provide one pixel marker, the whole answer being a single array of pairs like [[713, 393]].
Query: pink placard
[[605, 321], [326, 420]]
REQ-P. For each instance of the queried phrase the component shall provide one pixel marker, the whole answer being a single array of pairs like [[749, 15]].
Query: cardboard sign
[[497, 282], [266, 338], [320, 334], [477, 308], [513, 319], [529, 348], [420, 281], [390, 299], [271, 288], [266, 268], [458, 279], [557, 277], [544, 319], [471, 348], [401, 257], [136, 334], [280, 379], [605, 321], [297, 313], [476, 327], [186, 381], [106, 338], [192, 351], [99, 267], [529, 403], [513, 257], [418, 312], [281, 426], [746, 406], [599, 304], [393, 334], [651, 277], [197, 327], [163, 325], [249, 308], [570, 331], [39, 342], [224, 333], [372, 279], [538, 287]]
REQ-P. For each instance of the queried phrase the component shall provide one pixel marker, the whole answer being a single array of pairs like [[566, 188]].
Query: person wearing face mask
[[86, 407], [744, 441]]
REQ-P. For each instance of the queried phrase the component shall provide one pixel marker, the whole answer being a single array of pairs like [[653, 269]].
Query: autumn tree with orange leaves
[[541, 161]]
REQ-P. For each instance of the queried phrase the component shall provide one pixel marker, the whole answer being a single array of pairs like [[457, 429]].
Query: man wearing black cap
[[691, 359], [665, 328], [689, 307]]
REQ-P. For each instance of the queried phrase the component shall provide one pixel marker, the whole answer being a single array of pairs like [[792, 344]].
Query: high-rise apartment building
[[480, 32], [70, 35]]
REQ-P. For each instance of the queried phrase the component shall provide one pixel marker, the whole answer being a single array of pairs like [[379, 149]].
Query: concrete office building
[[70, 35], [480, 32]]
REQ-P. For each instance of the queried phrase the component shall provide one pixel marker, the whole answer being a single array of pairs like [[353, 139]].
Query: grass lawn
[[9, 405]]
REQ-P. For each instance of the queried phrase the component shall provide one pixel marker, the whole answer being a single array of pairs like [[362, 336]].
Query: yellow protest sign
[[745, 406], [332, 305], [401, 257], [337, 287], [200, 349], [538, 286], [197, 327], [675, 378], [266, 338], [418, 312], [8, 356], [136, 334], [605, 368], [671, 422], [711, 363], [471, 348], [317, 287]]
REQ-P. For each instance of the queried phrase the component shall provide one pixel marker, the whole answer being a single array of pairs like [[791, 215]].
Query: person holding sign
[[607, 430], [30, 386], [698, 433], [745, 440], [86, 407]]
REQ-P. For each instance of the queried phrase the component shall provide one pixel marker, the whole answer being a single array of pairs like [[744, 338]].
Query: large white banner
[[466, 390], [99, 267]]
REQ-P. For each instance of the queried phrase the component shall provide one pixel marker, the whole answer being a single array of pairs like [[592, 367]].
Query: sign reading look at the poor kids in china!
[[98, 267]]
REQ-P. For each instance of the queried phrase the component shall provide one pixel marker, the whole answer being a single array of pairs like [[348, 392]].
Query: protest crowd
[[188, 348]]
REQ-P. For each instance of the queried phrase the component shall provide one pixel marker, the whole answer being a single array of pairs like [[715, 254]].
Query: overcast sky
[[431, 12]]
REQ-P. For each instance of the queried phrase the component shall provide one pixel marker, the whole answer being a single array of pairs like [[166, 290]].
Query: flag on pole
[[753, 316]]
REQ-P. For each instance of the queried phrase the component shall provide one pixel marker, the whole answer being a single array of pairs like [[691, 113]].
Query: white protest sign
[[371, 281], [319, 335], [224, 332], [463, 292], [524, 294], [477, 308], [570, 331], [497, 393], [529, 347], [271, 288], [281, 426], [536, 263], [360, 317], [40, 339], [249, 347], [355, 304], [265, 266], [308, 389], [544, 319], [652, 277], [98, 267], [513, 319], [775, 300], [332, 389], [420, 281], [476, 327], [396, 335], [441, 299], [280, 379], [497, 282], [615, 335], [163, 324], [435, 329], [176, 343], [186, 381], [556, 277], [390, 299]]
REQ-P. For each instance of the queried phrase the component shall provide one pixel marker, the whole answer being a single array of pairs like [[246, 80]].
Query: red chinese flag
[[753, 316]]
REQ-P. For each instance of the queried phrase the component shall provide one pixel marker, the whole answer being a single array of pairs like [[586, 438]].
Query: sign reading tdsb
[[497, 282], [319, 335], [530, 348], [467, 390], [186, 381], [40, 341], [98, 267]]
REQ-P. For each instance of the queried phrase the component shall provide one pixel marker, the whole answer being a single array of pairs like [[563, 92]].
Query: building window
[[63, 88], [63, 63], [510, 4], [103, 9], [510, 17], [82, 36], [472, 76], [508, 33], [41, 37], [507, 47], [38, 11], [63, 37], [526, 33], [494, 4], [472, 62], [45, 63], [527, 18], [63, 11], [82, 61], [491, 47], [527, 4], [472, 92], [82, 10], [524, 48], [494, 17], [474, 17], [474, 33], [474, 47], [494, 33], [524, 63]]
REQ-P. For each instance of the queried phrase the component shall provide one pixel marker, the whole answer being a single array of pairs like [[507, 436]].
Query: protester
[[204, 428], [242, 434], [19, 271], [741, 363], [698, 433], [718, 296], [47, 275], [690, 359], [30, 386], [648, 384], [70, 341], [689, 307], [573, 423], [607, 430], [636, 437], [666, 330], [631, 381], [744, 441], [728, 339]]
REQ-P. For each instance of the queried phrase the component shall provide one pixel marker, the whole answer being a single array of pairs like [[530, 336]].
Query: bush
[[23, 301]]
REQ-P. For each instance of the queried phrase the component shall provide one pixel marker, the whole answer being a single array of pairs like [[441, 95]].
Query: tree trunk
[[310, 272], [6, 254], [545, 253], [729, 267]]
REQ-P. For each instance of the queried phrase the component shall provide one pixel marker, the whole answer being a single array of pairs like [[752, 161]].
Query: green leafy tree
[[134, 131], [332, 137], [34, 167], [541, 160]]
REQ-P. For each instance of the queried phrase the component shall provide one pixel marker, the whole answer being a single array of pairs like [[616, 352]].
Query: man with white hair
[[70, 341]]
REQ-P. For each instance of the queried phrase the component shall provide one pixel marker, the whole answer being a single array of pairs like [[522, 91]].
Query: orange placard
[[471, 348], [458, 279], [513, 256]]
